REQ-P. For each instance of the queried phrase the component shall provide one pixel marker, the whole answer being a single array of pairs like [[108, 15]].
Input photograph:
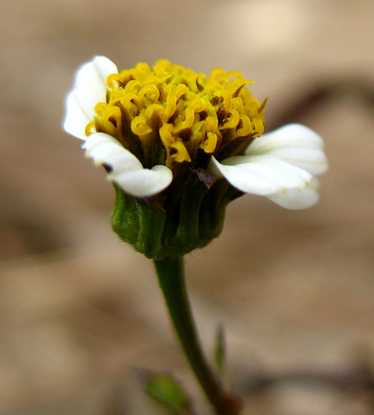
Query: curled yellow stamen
[[90, 128], [180, 153], [139, 126], [181, 113], [210, 143]]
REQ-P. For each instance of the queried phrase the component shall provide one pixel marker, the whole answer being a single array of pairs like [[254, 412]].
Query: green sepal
[[187, 216], [138, 224]]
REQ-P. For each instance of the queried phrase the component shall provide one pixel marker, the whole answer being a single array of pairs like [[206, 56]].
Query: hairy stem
[[170, 272]]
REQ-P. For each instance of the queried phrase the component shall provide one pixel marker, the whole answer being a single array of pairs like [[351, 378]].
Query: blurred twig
[[309, 100], [357, 380]]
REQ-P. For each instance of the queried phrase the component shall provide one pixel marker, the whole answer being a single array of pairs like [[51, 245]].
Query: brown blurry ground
[[80, 311]]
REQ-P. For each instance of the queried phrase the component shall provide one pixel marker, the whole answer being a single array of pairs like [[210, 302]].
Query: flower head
[[175, 141]]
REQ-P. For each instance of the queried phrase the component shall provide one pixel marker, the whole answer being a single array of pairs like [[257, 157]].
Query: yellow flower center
[[169, 114]]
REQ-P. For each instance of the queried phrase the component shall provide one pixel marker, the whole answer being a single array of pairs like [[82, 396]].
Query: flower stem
[[170, 272]]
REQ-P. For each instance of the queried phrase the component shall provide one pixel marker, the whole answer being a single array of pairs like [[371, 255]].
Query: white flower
[[280, 165]]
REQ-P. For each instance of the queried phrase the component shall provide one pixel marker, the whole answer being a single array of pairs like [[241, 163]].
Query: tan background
[[295, 290]]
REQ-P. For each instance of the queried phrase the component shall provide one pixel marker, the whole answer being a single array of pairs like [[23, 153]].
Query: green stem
[[170, 272]]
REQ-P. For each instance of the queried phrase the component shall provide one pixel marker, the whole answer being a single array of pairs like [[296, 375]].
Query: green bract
[[176, 223]]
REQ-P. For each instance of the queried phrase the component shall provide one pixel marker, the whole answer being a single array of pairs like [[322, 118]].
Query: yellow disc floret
[[169, 114]]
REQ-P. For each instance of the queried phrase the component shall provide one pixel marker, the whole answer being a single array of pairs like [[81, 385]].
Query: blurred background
[[80, 311]]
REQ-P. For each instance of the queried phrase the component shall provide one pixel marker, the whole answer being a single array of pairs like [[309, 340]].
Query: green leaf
[[220, 349], [168, 392]]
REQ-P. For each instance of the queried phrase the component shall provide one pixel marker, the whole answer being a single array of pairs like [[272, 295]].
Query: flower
[[158, 129]]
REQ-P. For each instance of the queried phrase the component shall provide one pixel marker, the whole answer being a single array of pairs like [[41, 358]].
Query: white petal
[[76, 118], [144, 182], [295, 144], [262, 175], [89, 89], [126, 169], [298, 198], [105, 149]]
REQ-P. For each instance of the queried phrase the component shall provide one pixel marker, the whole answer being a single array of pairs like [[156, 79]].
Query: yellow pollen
[[169, 114]]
